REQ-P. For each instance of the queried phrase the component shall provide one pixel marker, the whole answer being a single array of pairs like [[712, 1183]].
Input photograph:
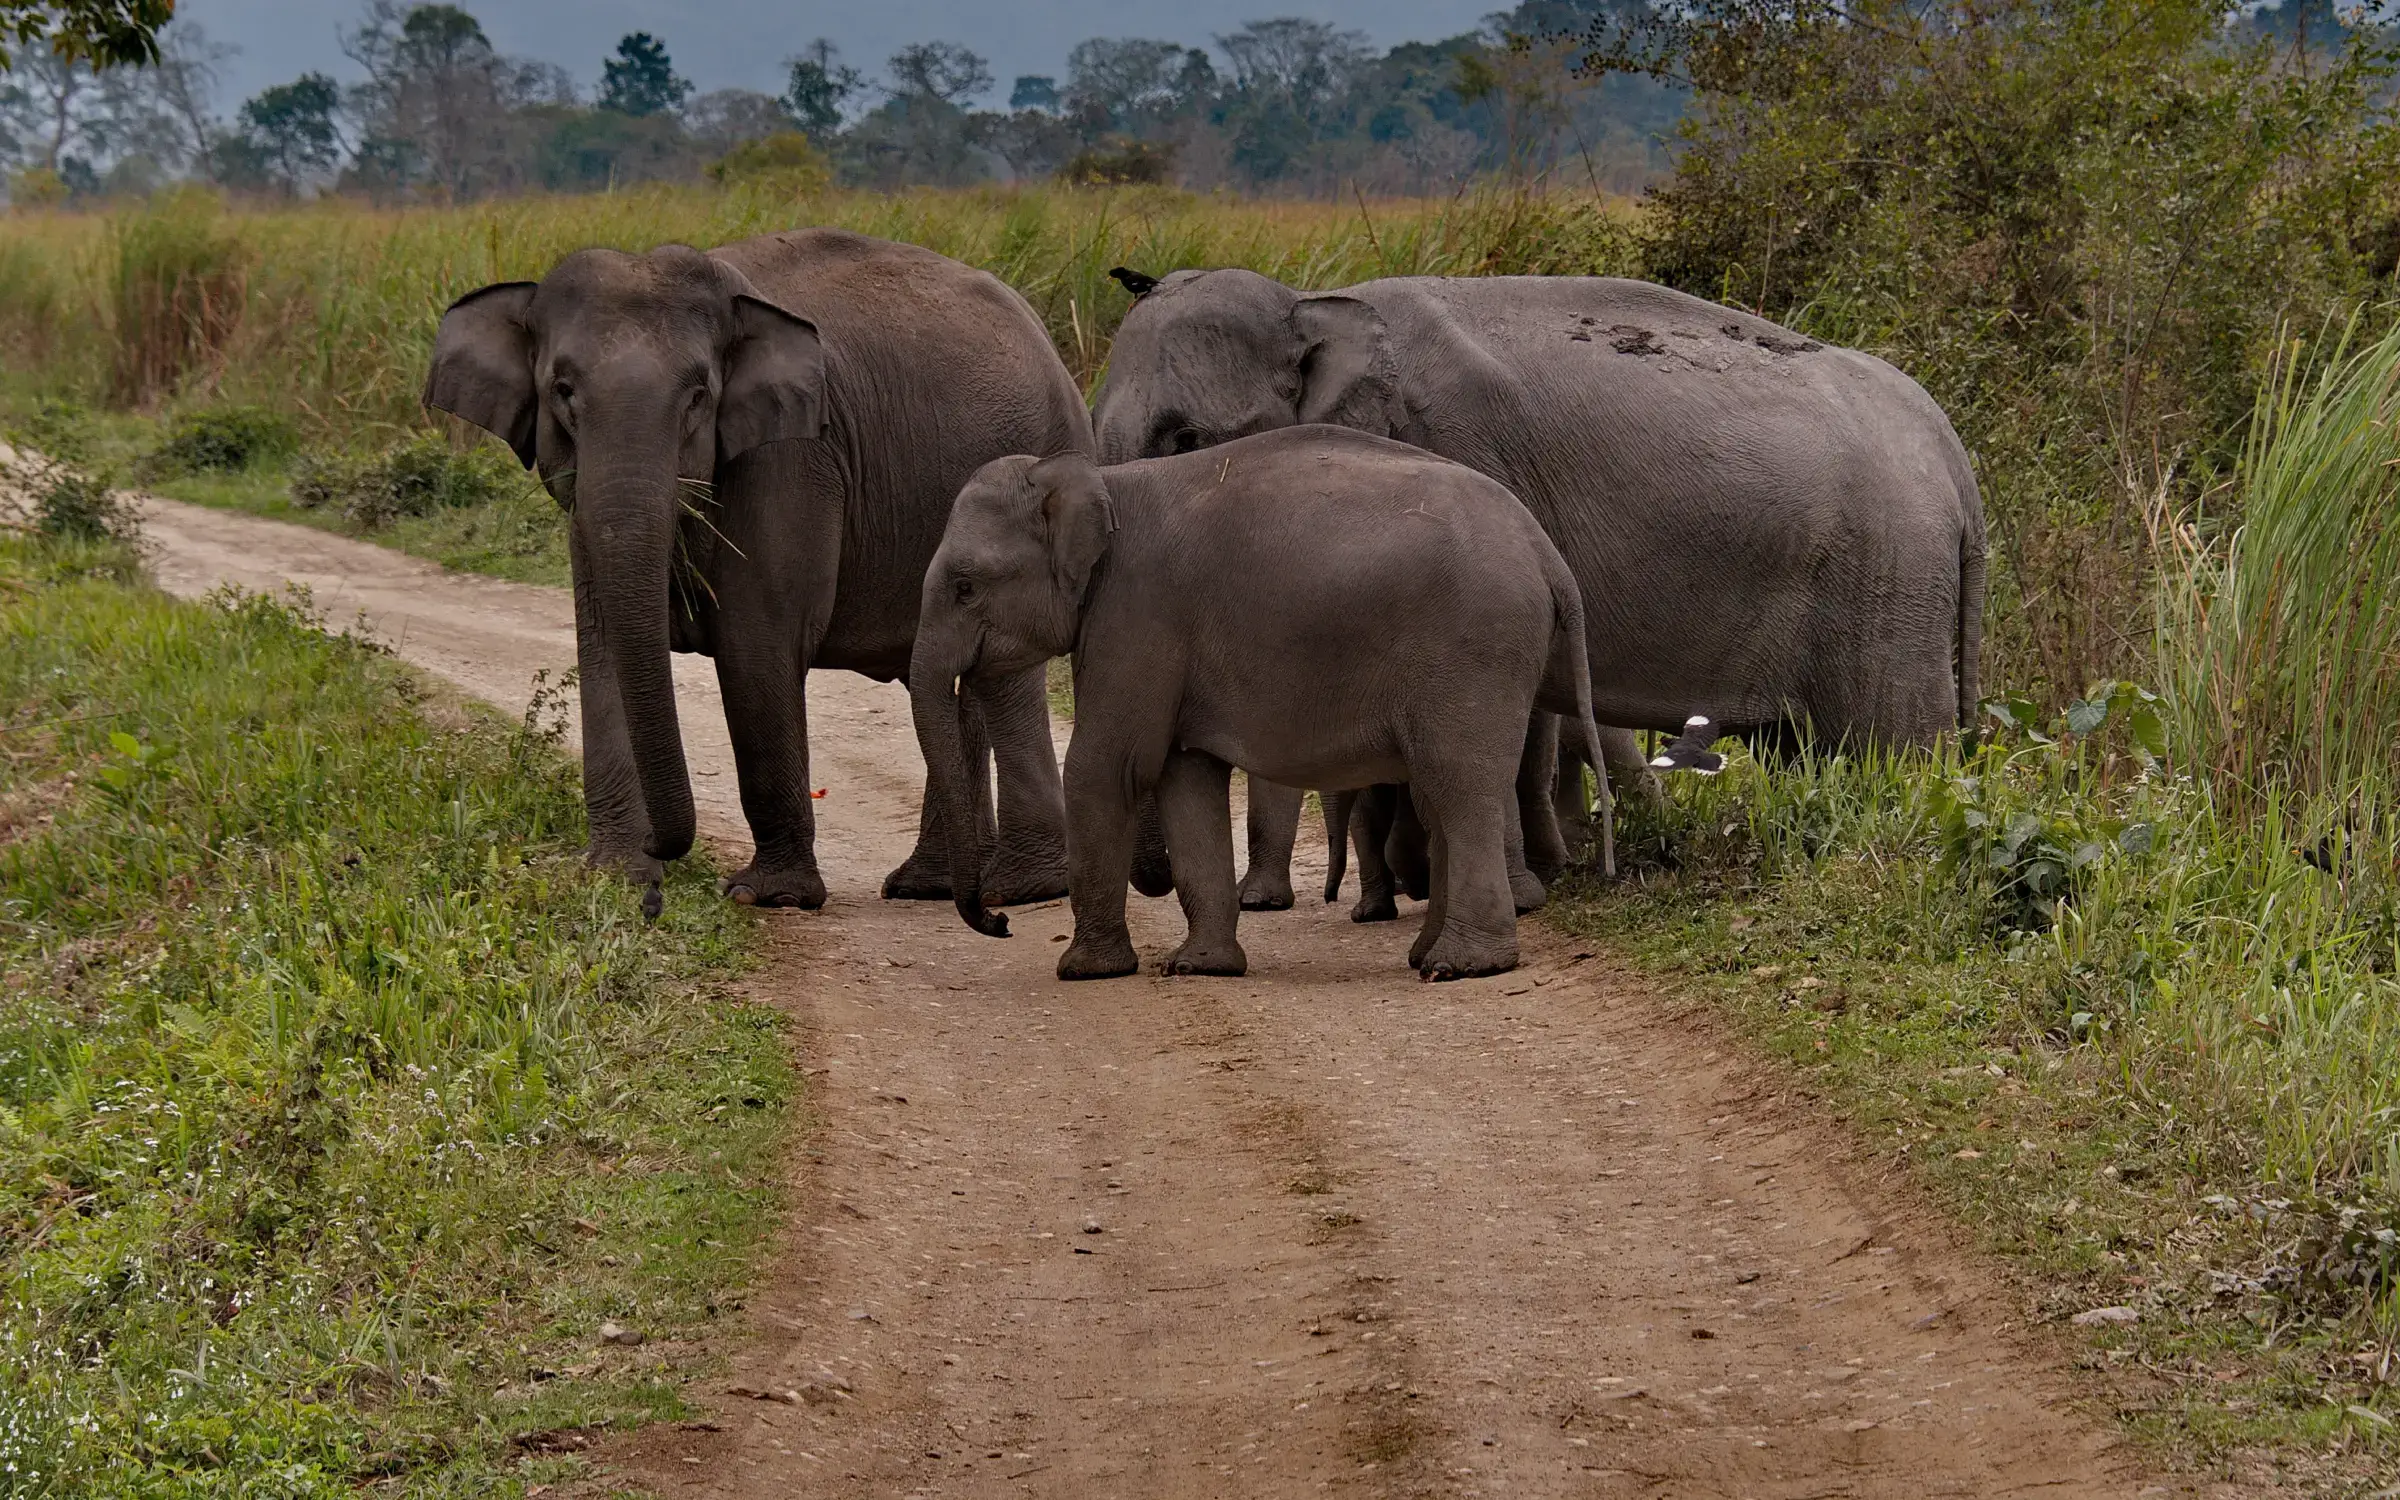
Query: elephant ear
[[774, 379], [1076, 512], [1345, 364], [483, 364]]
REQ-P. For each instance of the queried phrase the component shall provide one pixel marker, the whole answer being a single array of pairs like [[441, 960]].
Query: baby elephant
[[1319, 607]]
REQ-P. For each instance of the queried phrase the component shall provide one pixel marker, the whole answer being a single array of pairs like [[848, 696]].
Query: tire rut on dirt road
[[1322, 1228]]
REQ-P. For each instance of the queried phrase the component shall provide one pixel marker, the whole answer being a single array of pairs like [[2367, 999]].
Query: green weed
[[338, 1102]]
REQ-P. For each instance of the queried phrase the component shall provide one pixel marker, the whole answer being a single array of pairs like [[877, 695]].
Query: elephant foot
[[1108, 959], [1225, 960], [1376, 906], [1438, 969], [1448, 958], [1266, 889], [761, 884], [924, 877], [1528, 891], [628, 860], [1022, 873]]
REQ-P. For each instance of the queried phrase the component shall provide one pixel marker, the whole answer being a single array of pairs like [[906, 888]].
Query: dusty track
[[1319, 1229]]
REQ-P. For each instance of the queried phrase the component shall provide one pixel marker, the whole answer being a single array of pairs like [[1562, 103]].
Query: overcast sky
[[729, 43]]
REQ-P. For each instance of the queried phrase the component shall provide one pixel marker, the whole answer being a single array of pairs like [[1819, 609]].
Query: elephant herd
[[1384, 542]]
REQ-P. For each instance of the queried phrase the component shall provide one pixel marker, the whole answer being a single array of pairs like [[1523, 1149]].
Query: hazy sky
[[726, 43]]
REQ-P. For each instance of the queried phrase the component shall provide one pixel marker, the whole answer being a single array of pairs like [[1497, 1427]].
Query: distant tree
[[724, 118], [641, 79], [294, 129], [819, 88], [1034, 91], [1126, 83], [943, 71], [1289, 77], [438, 104]]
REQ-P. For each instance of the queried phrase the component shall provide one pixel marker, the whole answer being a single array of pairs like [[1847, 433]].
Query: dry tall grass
[[336, 303]]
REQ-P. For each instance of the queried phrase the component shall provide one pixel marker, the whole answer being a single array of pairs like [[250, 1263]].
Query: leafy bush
[[222, 440], [2018, 812], [1120, 164], [414, 479], [81, 506]]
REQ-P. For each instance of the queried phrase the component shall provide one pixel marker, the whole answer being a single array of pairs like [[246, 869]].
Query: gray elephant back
[[1726, 489]]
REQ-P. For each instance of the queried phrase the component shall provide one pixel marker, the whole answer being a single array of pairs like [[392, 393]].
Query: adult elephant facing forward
[[758, 449], [1768, 531]]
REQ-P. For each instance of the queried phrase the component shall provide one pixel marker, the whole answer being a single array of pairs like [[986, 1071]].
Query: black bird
[[1689, 751]]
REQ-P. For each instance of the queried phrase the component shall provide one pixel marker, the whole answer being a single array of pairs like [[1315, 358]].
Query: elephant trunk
[[935, 695], [631, 517]]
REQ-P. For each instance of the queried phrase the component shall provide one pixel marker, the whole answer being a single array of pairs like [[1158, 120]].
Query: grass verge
[[339, 1105], [2156, 1089]]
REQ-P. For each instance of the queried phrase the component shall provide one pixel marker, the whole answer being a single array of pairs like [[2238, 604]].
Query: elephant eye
[[563, 390], [963, 590], [1185, 440]]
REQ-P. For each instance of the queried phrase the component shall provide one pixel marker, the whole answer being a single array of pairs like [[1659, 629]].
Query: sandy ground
[[1320, 1229]]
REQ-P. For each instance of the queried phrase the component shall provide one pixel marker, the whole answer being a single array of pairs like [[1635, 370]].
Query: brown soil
[[1319, 1229]]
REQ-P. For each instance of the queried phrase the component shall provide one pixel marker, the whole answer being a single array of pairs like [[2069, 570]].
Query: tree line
[[439, 113]]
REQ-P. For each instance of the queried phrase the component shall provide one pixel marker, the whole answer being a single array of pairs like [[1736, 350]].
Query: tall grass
[[341, 301], [2280, 646]]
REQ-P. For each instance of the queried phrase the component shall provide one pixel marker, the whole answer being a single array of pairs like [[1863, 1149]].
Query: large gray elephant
[[1243, 608], [758, 448], [1777, 534]]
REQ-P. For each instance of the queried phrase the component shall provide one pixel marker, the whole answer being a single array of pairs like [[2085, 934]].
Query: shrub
[[414, 479], [785, 163], [1120, 164], [82, 507], [222, 440]]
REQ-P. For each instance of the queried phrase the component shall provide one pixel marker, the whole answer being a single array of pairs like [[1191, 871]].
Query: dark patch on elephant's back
[[1631, 340], [1774, 345]]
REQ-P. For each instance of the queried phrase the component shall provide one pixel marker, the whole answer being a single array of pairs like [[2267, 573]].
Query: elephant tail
[[1971, 588], [1337, 807], [1567, 604]]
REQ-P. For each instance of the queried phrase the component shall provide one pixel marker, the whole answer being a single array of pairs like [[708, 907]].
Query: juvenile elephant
[[757, 449], [1768, 531], [1245, 608]]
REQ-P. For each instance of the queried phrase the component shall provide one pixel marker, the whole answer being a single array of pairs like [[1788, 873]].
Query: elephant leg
[[1194, 799], [1405, 849], [1525, 888], [1101, 820], [1370, 834], [1437, 905], [925, 874], [1629, 772], [617, 822], [1029, 858], [764, 681], [1537, 808], [1274, 829], [1153, 873], [1337, 807], [1471, 924], [1570, 800]]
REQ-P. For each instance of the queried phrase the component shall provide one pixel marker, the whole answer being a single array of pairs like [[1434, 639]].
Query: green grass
[[338, 1103], [2171, 1083]]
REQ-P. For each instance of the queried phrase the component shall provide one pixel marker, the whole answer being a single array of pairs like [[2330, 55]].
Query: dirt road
[[1320, 1229]]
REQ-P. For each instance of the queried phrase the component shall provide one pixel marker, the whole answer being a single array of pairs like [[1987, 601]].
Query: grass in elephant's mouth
[[339, 1105]]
